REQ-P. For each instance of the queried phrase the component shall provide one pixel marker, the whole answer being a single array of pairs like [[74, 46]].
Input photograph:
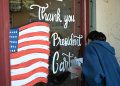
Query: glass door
[[57, 22]]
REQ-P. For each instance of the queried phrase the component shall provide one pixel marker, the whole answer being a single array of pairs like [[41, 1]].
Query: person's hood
[[105, 45]]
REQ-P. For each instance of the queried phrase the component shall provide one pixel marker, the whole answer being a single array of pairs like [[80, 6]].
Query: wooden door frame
[[4, 44], [84, 23]]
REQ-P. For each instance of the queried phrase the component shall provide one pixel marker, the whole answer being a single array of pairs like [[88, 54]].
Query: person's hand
[[79, 74], [81, 64]]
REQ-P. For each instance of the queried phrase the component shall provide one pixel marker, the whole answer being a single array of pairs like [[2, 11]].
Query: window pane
[[64, 19]]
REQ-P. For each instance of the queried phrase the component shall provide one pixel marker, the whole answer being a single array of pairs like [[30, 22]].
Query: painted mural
[[29, 48]]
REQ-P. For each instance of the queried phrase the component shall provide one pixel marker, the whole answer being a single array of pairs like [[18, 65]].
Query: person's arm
[[92, 72], [78, 74]]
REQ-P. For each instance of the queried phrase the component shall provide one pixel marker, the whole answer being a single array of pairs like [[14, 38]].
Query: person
[[100, 67]]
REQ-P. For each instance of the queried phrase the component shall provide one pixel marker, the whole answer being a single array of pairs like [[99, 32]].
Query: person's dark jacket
[[100, 67]]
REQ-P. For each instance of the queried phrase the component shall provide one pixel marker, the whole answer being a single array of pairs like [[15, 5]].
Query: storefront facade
[[73, 21]]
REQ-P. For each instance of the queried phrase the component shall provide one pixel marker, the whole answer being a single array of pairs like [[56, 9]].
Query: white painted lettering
[[64, 64], [68, 18], [47, 17], [73, 41], [53, 63]]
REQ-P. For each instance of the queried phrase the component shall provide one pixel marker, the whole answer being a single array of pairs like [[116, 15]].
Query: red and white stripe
[[30, 64]]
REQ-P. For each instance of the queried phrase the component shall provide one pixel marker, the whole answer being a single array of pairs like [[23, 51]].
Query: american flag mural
[[29, 54]]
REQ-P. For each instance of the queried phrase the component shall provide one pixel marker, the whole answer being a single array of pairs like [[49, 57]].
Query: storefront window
[[63, 16]]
